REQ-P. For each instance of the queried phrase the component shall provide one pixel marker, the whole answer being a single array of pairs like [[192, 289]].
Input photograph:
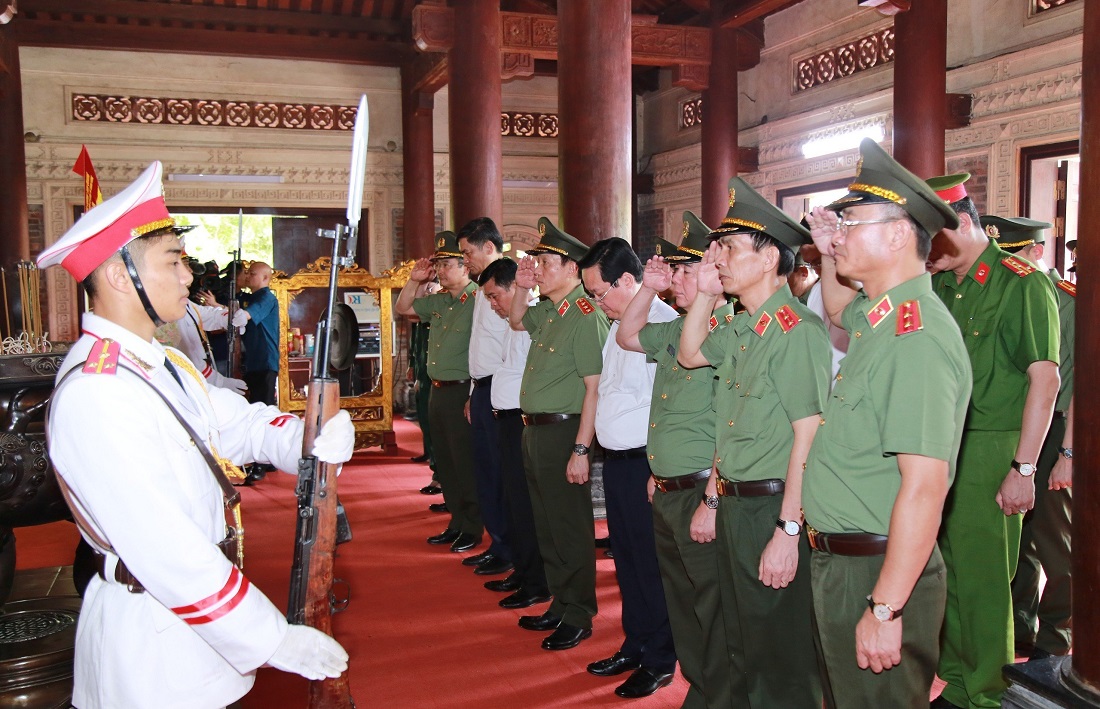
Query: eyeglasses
[[613, 286], [845, 224]]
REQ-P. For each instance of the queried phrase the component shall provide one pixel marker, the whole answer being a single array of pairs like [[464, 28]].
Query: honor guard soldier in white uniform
[[137, 439]]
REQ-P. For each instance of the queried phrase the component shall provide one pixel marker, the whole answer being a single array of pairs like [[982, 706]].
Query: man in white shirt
[[612, 273]]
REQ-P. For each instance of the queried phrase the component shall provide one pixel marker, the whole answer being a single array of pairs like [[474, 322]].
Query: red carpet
[[421, 630]]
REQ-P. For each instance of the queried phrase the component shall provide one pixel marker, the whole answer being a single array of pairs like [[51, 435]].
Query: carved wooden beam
[[428, 72], [537, 35], [742, 12], [750, 40]]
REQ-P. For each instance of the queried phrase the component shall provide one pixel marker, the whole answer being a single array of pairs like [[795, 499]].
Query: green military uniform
[[451, 320], [902, 389], [418, 360], [1044, 624], [773, 368], [679, 447], [1008, 316], [567, 340]]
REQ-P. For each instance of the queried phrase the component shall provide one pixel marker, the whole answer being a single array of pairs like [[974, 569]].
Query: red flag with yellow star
[[83, 167]]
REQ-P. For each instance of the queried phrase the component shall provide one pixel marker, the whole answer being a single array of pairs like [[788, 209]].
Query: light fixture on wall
[[836, 143], [269, 179]]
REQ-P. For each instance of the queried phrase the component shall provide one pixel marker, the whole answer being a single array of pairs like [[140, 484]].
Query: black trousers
[[486, 450], [261, 386], [522, 537]]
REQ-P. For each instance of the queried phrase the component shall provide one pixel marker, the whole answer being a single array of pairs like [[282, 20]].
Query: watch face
[[1027, 469], [791, 528], [882, 612], [711, 502]]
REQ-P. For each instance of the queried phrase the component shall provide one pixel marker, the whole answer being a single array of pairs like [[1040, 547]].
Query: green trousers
[[980, 548], [454, 457], [423, 394], [769, 632], [689, 573], [563, 521], [1045, 543], [840, 588]]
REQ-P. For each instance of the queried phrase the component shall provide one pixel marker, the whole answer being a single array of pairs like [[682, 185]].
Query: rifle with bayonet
[[312, 601], [232, 337]]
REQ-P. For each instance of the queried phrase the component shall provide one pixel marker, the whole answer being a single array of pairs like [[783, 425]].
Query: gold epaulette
[[103, 359], [1068, 287], [585, 307], [1018, 266]]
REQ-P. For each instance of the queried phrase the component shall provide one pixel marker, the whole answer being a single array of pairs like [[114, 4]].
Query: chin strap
[[136, 280]]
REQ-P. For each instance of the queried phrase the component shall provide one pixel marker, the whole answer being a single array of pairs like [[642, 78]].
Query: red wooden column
[[474, 112], [418, 230], [14, 238], [920, 87], [1086, 423], [594, 100], [719, 131]]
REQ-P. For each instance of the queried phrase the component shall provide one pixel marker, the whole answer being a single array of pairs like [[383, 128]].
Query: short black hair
[[761, 241], [502, 271], [614, 257], [478, 231], [966, 206]]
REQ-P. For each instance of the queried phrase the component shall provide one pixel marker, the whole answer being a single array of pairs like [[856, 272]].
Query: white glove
[[241, 318], [309, 653], [336, 441], [235, 385]]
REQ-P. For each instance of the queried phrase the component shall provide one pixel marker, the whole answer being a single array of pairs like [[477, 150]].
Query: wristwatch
[[1025, 469], [711, 501], [1067, 453], [881, 611], [580, 449], [789, 527]]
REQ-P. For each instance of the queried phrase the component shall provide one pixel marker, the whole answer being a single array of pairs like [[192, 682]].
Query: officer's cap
[[1071, 244], [134, 212], [694, 241], [446, 246], [553, 240], [749, 212], [1014, 233], [949, 188], [882, 180]]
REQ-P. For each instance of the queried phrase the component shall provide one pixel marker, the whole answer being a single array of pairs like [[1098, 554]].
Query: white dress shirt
[[838, 336], [626, 385], [506, 382], [486, 339]]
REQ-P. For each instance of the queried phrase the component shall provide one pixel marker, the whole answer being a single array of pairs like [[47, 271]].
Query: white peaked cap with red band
[[135, 211]]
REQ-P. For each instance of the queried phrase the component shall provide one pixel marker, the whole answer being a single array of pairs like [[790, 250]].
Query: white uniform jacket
[[206, 318], [196, 636]]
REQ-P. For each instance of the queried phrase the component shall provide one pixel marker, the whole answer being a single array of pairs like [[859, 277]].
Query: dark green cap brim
[[1014, 233], [750, 212], [553, 240], [446, 246]]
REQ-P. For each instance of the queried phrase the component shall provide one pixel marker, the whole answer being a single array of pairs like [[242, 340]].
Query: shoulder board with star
[[788, 318], [1068, 287], [1018, 266], [103, 359], [909, 318], [585, 307]]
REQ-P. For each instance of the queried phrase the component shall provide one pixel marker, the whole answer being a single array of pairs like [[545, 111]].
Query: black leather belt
[[851, 544], [683, 482], [440, 384], [1059, 415], [123, 576], [483, 382], [543, 419], [751, 488], [630, 454], [506, 413]]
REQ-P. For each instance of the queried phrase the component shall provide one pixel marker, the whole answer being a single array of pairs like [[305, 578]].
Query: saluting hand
[[709, 280], [878, 644], [657, 275], [1017, 493], [823, 223], [525, 273], [424, 270]]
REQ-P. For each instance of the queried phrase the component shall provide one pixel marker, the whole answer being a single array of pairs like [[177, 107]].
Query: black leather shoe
[[446, 537], [565, 637], [422, 458], [614, 665], [941, 703], [522, 599], [540, 623], [431, 490], [478, 559], [493, 567], [504, 585], [465, 542], [643, 683], [438, 507]]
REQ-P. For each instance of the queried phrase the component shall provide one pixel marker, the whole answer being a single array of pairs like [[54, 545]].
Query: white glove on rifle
[[240, 319], [309, 653], [236, 386], [336, 441]]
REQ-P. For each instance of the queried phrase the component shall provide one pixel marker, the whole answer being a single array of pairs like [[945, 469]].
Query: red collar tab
[[762, 323], [982, 273], [563, 308], [878, 313]]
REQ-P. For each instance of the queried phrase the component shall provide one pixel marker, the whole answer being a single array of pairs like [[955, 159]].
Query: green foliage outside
[[215, 237]]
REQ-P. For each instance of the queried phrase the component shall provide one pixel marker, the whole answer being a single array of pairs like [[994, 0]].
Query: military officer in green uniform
[[558, 396], [1043, 624], [773, 364], [450, 314], [681, 453], [1008, 315], [881, 465]]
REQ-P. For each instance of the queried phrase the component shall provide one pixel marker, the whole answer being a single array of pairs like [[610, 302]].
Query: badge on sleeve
[[787, 318], [586, 307], [909, 318], [1067, 287], [103, 359]]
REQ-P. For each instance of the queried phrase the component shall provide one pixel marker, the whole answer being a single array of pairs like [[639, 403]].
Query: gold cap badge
[[733, 196], [441, 242], [542, 230], [992, 232]]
